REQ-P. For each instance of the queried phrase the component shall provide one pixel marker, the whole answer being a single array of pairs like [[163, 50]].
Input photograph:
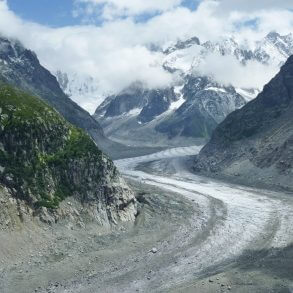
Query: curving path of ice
[[247, 219]]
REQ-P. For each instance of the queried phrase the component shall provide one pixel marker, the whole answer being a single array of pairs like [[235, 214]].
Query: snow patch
[[176, 105], [134, 112], [248, 95], [215, 89], [183, 59], [178, 89]]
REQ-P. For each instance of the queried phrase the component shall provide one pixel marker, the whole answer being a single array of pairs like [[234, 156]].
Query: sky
[[56, 13], [110, 40]]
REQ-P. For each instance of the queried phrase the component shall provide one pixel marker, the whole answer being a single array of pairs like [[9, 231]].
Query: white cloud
[[107, 53], [229, 71], [117, 8], [116, 52], [253, 5]]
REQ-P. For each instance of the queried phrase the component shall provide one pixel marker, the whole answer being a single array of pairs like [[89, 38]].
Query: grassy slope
[[37, 147]]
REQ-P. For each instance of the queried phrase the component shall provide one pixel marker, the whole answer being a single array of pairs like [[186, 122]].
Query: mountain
[[197, 104], [182, 45], [132, 111], [45, 160], [189, 55], [20, 67], [82, 89], [206, 105], [185, 55], [274, 48], [149, 103], [255, 143], [192, 110]]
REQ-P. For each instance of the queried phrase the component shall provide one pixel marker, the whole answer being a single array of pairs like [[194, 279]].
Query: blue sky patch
[[58, 13]]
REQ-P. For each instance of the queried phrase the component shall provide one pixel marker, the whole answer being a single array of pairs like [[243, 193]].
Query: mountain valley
[[146, 146]]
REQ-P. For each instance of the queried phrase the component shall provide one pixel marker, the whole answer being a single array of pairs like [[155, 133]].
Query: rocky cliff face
[[20, 67], [45, 160], [255, 144]]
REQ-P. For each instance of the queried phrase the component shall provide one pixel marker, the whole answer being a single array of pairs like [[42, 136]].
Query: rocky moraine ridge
[[255, 144], [45, 161]]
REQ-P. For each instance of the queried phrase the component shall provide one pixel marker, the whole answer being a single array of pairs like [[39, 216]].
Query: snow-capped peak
[[82, 89], [274, 48], [184, 58]]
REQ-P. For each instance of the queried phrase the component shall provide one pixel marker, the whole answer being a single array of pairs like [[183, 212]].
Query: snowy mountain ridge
[[274, 49], [185, 57], [198, 102]]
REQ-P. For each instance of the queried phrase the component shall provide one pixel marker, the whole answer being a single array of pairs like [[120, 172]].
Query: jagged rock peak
[[183, 45]]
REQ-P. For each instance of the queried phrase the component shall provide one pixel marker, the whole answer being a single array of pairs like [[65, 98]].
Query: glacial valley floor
[[193, 234]]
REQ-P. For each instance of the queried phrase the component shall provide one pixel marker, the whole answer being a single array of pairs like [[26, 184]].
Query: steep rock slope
[[255, 144], [44, 160], [20, 67]]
